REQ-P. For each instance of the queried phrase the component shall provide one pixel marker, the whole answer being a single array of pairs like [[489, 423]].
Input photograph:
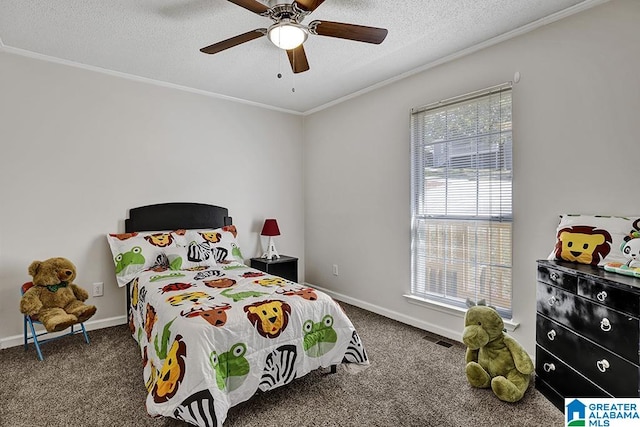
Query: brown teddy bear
[[57, 302]]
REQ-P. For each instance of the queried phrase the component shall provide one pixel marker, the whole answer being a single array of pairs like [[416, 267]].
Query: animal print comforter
[[209, 339]]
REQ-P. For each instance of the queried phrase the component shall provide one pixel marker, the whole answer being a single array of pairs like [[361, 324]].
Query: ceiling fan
[[288, 33]]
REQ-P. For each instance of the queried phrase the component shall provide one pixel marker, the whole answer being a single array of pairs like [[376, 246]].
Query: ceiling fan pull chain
[[293, 77]]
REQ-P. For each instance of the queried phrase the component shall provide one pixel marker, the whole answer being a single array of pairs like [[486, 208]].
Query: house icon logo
[[575, 413]]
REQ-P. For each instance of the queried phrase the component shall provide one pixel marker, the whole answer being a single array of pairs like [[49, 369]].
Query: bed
[[212, 331]]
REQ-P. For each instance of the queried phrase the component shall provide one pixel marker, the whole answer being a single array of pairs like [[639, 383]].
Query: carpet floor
[[415, 379]]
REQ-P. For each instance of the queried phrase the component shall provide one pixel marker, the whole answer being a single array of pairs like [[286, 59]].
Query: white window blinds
[[461, 182]]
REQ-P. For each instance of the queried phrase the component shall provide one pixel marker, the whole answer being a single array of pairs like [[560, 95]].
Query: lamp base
[[271, 252]]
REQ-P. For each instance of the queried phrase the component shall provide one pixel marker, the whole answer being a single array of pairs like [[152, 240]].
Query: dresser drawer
[[557, 278], [609, 328], [552, 395], [562, 378], [602, 293], [609, 371]]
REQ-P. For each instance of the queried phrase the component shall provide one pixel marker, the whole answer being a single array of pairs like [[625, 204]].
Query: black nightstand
[[285, 266]]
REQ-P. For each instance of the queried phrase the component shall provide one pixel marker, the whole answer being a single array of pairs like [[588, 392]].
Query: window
[[461, 153]]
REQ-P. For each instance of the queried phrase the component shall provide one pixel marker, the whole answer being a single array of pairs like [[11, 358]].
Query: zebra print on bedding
[[197, 409], [279, 368], [355, 351]]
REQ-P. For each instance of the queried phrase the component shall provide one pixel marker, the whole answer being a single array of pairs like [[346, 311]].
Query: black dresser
[[587, 332]]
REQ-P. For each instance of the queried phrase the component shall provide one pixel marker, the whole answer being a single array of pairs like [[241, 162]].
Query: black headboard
[[174, 216]]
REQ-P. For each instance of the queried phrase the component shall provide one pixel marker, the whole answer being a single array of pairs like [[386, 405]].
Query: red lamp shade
[[270, 228]]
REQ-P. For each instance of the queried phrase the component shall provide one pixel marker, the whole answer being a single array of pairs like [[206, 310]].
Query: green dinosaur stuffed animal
[[493, 358]]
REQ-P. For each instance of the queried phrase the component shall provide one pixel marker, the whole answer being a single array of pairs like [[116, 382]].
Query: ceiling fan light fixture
[[287, 35]]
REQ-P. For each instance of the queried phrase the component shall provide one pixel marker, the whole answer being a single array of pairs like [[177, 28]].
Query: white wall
[[79, 148], [72, 143], [576, 124]]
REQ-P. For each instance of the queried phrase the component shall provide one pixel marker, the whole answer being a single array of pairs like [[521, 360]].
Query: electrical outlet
[[335, 269], [98, 289]]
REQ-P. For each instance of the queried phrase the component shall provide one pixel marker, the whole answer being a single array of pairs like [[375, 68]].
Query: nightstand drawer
[[609, 328], [609, 371], [562, 378], [285, 266]]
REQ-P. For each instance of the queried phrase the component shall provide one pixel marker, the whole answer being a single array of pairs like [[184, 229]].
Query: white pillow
[[591, 239], [136, 252]]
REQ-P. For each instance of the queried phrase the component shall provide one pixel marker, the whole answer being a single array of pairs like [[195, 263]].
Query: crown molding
[[47, 58]]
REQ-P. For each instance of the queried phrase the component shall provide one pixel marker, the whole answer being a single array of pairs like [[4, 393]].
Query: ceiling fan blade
[[348, 31], [234, 41], [252, 5], [298, 59], [309, 5]]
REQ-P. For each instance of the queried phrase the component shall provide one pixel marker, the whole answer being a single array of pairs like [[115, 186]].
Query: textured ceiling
[[160, 40]]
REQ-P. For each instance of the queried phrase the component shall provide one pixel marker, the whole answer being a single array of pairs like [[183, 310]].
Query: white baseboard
[[452, 334], [91, 325]]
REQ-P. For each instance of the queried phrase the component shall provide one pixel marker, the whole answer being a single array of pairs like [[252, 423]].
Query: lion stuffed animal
[[54, 299], [494, 359]]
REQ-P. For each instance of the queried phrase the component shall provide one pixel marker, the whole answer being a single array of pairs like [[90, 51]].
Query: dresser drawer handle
[[602, 365], [551, 335], [605, 325], [552, 300], [548, 367], [601, 296], [554, 276]]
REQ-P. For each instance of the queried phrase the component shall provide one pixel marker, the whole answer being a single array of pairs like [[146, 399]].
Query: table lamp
[[270, 229]]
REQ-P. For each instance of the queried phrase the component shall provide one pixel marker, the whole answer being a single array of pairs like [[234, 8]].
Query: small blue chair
[[29, 322]]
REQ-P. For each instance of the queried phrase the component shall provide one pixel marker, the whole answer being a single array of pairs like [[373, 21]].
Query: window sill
[[509, 324]]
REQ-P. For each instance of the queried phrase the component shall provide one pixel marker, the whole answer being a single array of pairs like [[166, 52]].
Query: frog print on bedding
[[129, 262], [319, 338], [231, 367]]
